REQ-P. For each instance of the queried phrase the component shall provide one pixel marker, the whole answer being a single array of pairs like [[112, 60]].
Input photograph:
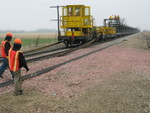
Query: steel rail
[[61, 53], [44, 51], [36, 49], [32, 52]]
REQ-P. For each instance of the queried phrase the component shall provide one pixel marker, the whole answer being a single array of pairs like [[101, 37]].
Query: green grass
[[35, 42]]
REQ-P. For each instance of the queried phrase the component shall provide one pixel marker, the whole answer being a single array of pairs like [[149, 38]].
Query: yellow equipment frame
[[77, 18]]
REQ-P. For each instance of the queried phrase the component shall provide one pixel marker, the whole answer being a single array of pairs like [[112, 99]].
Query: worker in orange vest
[[16, 62], [4, 52], [72, 38]]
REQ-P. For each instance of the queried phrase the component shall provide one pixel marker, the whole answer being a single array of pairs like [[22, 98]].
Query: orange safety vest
[[3, 48], [72, 36], [13, 60]]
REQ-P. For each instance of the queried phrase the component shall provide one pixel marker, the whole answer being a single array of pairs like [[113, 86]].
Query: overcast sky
[[34, 14]]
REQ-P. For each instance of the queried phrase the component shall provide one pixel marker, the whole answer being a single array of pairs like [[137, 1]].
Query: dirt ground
[[125, 91]]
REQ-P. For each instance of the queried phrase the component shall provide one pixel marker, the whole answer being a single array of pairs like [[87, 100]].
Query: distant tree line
[[34, 31]]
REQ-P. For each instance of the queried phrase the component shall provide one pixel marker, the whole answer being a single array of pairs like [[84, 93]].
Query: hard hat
[[18, 41], [9, 34]]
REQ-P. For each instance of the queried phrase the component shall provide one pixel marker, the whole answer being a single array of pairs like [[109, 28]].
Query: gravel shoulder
[[115, 80]]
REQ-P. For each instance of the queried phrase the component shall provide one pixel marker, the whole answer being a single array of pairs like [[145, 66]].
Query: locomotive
[[77, 24]]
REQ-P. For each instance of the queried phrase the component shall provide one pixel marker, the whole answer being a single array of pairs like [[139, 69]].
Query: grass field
[[33, 40]]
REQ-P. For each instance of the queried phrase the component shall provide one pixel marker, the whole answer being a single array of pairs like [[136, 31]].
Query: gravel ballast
[[114, 80]]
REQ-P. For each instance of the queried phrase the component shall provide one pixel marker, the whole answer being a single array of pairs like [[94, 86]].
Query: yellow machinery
[[106, 32], [77, 24], [110, 28]]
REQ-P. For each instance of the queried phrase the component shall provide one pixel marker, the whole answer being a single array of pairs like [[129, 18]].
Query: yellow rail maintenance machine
[[77, 24]]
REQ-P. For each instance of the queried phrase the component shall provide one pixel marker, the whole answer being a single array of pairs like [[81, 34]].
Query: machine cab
[[76, 17], [76, 21], [113, 21]]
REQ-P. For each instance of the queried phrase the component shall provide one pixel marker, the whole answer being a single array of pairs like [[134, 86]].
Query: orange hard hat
[[18, 41], [9, 34]]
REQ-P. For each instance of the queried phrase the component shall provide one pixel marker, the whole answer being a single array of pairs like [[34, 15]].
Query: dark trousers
[[4, 66]]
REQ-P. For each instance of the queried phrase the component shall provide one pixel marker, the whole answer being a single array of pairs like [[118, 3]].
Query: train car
[[77, 24], [114, 27], [106, 32], [110, 29]]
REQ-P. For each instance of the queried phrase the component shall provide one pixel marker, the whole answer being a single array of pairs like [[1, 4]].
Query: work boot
[[20, 92], [16, 93]]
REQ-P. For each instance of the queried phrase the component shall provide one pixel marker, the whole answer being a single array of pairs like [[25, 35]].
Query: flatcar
[[113, 27]]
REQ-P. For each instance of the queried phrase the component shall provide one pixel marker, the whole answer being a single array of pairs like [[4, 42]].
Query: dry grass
[[32, 35], [137, 42], [120, 93]]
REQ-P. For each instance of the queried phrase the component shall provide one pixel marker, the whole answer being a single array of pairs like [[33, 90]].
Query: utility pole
[[58, 19]]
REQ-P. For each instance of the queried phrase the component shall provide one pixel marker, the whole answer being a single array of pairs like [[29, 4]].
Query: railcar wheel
[[100, 38], [66, 43]]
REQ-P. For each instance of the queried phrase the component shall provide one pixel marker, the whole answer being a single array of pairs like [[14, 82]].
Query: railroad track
[[58, 52], [10, 82], [40, 50], [61, 53], [39, 53]]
